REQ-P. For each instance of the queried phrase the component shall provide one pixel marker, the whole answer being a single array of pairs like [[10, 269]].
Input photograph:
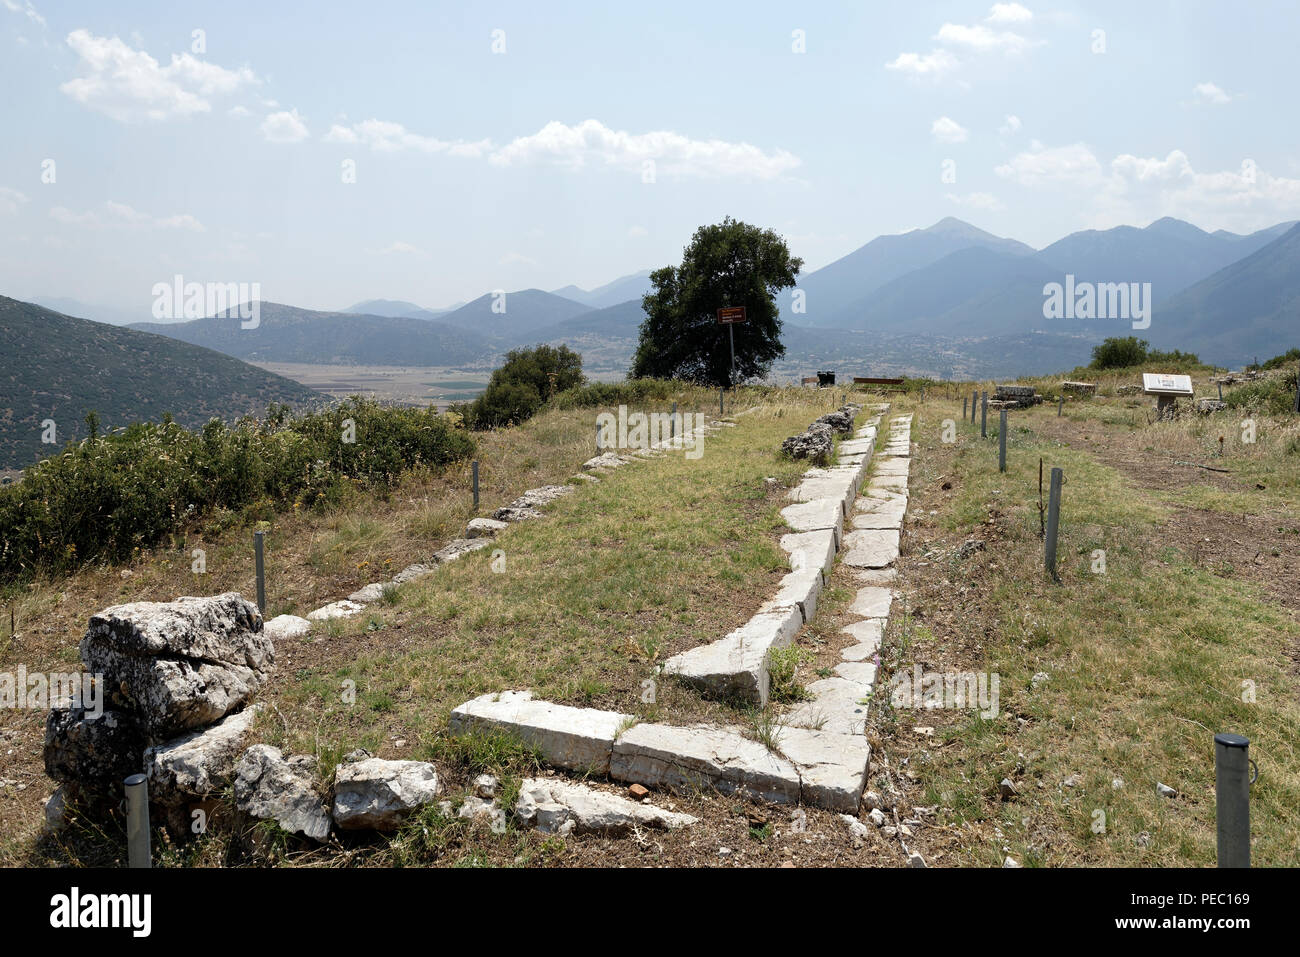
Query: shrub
[[522, 385], [1288, 358], [1124, 352], [1275, 396], [629, 392], [104, 497]]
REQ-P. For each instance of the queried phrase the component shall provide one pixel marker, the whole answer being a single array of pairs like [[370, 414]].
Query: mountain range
[[71, 366], [963, 290]]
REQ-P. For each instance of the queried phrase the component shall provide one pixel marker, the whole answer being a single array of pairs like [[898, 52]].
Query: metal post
[[261, 571], [984, 416], [720, 410], [476, 485], [963, 408], [1060, 404], [672, 423], [1220, 391], [974, 401], [597, 438], [1002, 442], [137, 821], [1053, 520], [1232, 799], [731, 329]]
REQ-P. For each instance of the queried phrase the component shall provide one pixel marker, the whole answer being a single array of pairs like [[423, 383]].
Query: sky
[[433, 152]]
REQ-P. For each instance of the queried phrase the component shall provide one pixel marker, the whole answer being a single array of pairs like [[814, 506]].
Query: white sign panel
[[1159, 383]]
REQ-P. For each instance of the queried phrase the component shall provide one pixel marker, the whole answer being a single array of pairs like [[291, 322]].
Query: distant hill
[[289, 334], [1247, 309], [70, 366], [393, 308], [621, 321], [1170, 254], [517, 317], [632, 286], [82, 310], [832, 292]]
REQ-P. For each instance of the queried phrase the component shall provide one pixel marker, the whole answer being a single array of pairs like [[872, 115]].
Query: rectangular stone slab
[[574, 738], [736, 666], [700, 756], [870, 548], [816, 548], [832, 767], [812, 516]]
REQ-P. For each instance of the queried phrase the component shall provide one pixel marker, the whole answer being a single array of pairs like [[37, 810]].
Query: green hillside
[[58, 367]]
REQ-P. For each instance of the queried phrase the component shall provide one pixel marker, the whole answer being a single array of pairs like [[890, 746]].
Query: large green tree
[[727, 264]]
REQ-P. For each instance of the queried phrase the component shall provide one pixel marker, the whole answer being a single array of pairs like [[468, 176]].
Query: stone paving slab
[[838, 706], [814, 516], [810, 549], [870, 548], [576, 738], [736, 666], [872, 601], [832, 767], [700, 756]]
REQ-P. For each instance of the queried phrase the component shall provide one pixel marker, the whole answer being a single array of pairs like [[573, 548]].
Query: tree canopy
[[727, 264]]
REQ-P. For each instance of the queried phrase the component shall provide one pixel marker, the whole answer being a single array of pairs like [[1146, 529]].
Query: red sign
[[730, 314]]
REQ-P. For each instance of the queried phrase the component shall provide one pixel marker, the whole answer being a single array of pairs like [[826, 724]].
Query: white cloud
[[26, 9], [1010, 125], [1210, 93], [284, 127], [1136, 188], [981, 39], [129, 85], [119, 215], [399, 248], [10, 200], [945, 130], [981, 201], [592, 143], [636, 232], [933, 65], [513, 258], [384, 136], [239, 111], [1039, 165], [1009, 13]]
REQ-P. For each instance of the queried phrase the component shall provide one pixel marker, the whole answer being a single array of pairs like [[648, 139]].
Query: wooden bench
[[879, 384]]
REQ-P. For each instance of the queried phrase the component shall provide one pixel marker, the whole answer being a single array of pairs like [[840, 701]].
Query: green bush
[[105, 497], [1125, 352], [1264, 396], [1290, 357], [522, 385], [629, 392]]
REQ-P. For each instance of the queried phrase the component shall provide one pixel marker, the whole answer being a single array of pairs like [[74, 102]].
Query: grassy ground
[[1190, 629], [656, 558]]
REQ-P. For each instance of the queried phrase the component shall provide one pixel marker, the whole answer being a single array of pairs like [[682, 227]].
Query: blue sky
[[223, 160]]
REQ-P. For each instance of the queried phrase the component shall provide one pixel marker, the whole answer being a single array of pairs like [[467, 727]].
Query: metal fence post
[[974, 401], [259, 565], [476, 485], [963, 408], [1232, 799], [672, 423], [984, 416], [137, 821], [720, 409], [597, 438], [1002, 441], [1053, 521], [1060, 404]]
